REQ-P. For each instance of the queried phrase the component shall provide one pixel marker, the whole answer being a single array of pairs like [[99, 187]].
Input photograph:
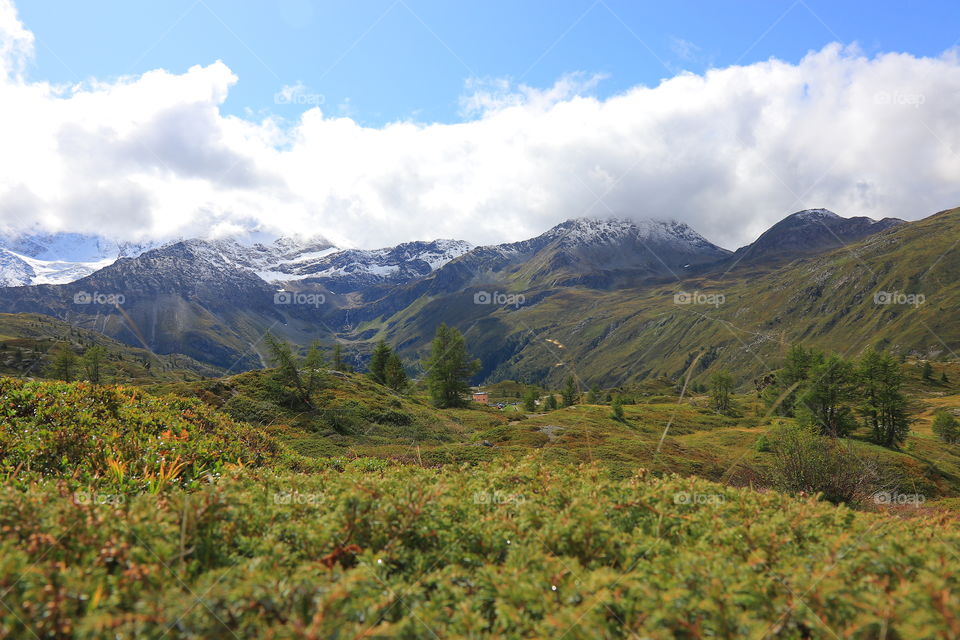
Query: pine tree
[[64, 364], [826, 401], [593, 396], [791, 379], [530, 400], [617, 409], [338, 363], [884, 407], [395, 376], [449, 368], [569, 392], [92, 363], [927, 371], [721, 384], [314, 366], [551, 403], [945, 427], [378, 362], [288, 370]]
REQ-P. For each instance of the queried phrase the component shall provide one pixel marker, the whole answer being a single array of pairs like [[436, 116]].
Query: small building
[[481, 396]]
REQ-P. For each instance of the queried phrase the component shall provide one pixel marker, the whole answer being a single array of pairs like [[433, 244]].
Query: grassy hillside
[[26, 340], [613, 337], [358, 418]]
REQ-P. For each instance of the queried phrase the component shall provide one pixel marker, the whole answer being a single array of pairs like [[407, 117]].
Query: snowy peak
[[813, 215], [354, 269], [59, 258], [671, 234]]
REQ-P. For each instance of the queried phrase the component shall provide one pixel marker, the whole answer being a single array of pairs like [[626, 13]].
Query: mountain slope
[[604, 289], [743, 320], [810, 232]]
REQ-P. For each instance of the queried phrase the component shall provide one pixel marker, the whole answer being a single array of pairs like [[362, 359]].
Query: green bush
[[810, 463], [118, 434], [535, 550]]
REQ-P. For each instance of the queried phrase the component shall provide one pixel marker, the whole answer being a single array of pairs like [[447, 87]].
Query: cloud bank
[[729, 152]]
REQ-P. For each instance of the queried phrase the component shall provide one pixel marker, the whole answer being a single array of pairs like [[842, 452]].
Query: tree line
[[835, 395]]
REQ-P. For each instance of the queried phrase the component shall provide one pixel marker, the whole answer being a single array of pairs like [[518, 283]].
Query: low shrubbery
[[537, 550], [121, 435]]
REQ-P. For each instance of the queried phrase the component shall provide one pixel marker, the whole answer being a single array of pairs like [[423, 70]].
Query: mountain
[[58, 258], [353, 270], [186, 297], [613, 300], [810, 232], [596, 252]]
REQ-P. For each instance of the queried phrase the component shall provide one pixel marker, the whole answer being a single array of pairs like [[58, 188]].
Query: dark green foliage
[[593, 396], [378, 362], [395, 376], [825, 401], [92, 363], [296, 380], [287, 373], [449, 368], [339, 363], [808, 462], [530, 400], [315, 369], [551, 402], [762, 444], [795, 373], [946, 427], [927, 371], [569, 392], [883, 406], [617, 409], [721, 386], [63, 365]]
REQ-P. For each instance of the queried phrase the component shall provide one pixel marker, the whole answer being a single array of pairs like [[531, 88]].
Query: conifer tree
[[449, 368]]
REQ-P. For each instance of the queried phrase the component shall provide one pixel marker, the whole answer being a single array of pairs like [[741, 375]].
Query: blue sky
[[379, 122], [380, 60]]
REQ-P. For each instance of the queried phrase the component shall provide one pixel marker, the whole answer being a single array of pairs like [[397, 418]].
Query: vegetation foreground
[[127, 515]]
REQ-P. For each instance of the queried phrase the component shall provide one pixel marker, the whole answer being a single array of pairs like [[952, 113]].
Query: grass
[[125, 514]]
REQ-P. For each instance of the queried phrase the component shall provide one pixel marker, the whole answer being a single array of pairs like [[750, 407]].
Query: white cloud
[[729, 152]]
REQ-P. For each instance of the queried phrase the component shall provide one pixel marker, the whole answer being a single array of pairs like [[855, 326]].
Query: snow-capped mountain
[[608, 231], [596, 251], [62, 258], [59, 258], [355, 269]]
